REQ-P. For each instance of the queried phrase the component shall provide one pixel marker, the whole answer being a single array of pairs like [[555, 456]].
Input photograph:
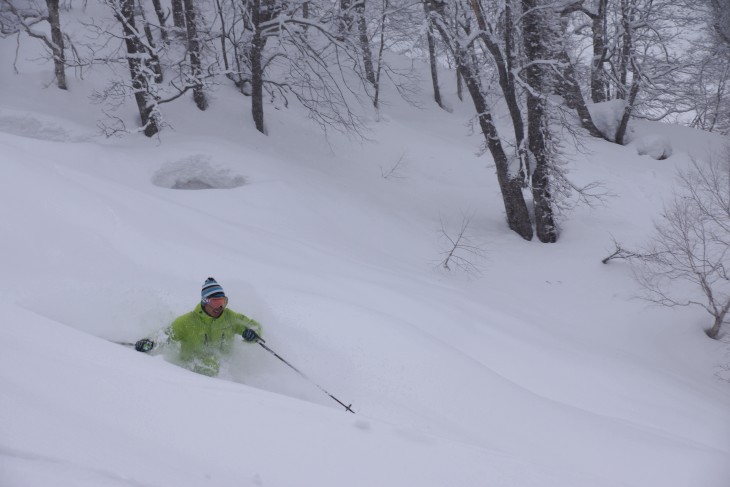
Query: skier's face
[[215, 306]]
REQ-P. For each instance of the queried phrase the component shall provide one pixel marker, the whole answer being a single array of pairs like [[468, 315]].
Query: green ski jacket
[[203, 340]]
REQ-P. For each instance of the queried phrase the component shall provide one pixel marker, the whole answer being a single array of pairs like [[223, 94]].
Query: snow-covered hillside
[[541, 370]]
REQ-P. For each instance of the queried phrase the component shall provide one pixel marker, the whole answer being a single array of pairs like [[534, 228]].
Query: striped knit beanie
[[211, 289]]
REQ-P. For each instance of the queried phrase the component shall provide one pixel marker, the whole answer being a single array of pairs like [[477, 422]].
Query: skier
[[207, 333]]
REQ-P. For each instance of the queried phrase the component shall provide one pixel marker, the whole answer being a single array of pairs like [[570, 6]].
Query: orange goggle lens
[[218, 302]]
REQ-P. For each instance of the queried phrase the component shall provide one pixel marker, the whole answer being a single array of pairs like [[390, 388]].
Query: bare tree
[[59, 58], [691, 246], [721, 20], [461, 252], [194, 52], [162, 19], [394, 171], [141, 75], [597, 12], [178, 15], [458, 39], [433, 62], [27, 20], [537, 35], [308, 59]]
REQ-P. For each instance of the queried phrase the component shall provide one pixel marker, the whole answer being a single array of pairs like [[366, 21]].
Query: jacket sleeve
[[242, 322], [176, 331]]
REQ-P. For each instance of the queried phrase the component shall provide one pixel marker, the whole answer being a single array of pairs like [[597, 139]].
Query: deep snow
[[541, 370]]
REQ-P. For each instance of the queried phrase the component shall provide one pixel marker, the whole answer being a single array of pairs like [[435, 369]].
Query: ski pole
[[261, 342]]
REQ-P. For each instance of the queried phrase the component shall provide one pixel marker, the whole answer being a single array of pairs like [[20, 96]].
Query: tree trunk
[[379, 69], [626, 48], [536, 41], [257, 75], [628, 109], [627, 61], [59, 58], [506, 79], [510, 185], [345, 20], [145, 104], [570, 91], [715, 330], [434, 68], [178, 15], [432, 60], [224, 49], [161, 19], [719, 315], [154, 58], [367, 55], [455, 20], [599, 90], [194, 53]]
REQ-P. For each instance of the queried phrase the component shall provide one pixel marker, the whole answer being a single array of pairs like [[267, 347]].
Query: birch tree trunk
[[59, 58]]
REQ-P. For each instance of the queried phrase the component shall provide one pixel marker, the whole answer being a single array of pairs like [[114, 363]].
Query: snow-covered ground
[[541, 370]]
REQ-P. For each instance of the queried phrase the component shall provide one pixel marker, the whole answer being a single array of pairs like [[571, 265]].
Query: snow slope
[[542, 370]]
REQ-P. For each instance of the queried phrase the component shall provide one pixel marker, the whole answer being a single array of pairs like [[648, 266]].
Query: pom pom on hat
[[211, 289]]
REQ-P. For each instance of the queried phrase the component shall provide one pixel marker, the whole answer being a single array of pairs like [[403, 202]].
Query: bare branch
[[461, 253]]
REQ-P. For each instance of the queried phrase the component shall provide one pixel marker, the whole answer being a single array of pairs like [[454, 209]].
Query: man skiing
[[207, 333]]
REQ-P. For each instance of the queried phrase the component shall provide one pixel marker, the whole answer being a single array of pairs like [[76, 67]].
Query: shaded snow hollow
[[196, 172]]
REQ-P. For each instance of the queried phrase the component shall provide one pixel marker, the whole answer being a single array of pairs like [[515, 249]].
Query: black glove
[[144, 345], [249, 335]]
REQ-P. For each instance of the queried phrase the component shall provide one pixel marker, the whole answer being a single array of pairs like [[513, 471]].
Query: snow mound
[[655, 146], [39, 127], [196, 172], [607, 117]]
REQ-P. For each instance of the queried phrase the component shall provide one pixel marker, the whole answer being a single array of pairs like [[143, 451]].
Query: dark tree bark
[[152, 50], [510, 184], [59, 58], [626, 47], [536, 41], [135, 51], [432, 61], [379, 70], [353, 12], [367, 55], [346, 18], [569, 89], [506, 78], [178, 15], [628, 110], [628, 64], [599, 84], [161, 18], [194, 54], [257, 75], [434, 68], [224, 49]]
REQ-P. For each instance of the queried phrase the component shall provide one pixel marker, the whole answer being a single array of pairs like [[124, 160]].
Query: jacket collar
[[200, 312]]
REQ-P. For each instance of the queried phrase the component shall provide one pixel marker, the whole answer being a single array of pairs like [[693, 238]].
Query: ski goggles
[[219, 302]]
